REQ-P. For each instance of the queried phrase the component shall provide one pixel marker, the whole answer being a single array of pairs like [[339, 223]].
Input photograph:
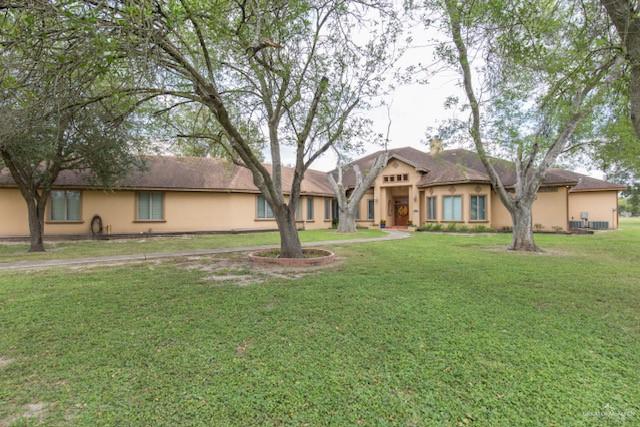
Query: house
[[452, 186], [188, 194]]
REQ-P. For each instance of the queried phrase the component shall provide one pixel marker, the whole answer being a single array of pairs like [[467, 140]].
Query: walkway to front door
[[400, 211]]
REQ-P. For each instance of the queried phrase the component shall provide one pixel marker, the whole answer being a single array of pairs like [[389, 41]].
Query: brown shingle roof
[[460, 166], [206, 174], [190, 173]]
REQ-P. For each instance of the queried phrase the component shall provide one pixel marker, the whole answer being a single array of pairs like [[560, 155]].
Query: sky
[[414, 108]]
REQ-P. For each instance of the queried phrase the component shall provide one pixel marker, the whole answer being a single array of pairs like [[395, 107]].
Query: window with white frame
[[452, 208], [478, 208], [65, 206], [150, 206]]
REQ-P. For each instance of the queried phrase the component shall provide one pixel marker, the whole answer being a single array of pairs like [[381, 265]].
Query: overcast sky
[[415, 107]]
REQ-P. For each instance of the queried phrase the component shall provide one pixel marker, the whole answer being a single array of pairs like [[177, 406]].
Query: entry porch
[[398, 205]]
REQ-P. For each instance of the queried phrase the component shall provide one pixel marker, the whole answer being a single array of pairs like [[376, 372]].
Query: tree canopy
[[258, 74]]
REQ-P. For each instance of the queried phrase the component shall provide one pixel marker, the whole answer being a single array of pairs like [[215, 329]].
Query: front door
[[401, 212]]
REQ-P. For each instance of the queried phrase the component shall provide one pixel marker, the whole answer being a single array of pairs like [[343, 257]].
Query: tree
[[348, 205], [625, 16], [50, 118], [272, 74], [632, 196], [544, 65]]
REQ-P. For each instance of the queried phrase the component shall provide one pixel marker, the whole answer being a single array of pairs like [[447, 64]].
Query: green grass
[[91, 248], [433, 330]]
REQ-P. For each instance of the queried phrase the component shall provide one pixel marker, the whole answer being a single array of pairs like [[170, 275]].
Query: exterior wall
[[464, 190], [384, 192], [550, 211], [601, 206], [363, 221], [184, 211]]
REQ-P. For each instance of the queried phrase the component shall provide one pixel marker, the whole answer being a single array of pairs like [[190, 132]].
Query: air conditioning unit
[[584, 216]]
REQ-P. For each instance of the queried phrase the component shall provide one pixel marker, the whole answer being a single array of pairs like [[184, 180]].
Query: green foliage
[[453, 227], [535, 58], [58, 108], [632, 200], [430, 331]]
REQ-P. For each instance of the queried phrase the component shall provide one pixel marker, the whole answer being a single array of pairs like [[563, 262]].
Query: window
[[327, 209], [401, 177], [478, 208], [65, 206], [431, 208], [309, 208], [299, 210], [452, 208], [150, 206], [370, 209], [263, 209]]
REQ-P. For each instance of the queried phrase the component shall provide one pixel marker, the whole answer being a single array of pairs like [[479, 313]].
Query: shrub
[[436, 227], [483, 229], [538, 227], [462, 229], [425, 227], [451, 227]]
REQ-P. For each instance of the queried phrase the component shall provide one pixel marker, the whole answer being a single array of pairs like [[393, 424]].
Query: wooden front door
[[401, 212]]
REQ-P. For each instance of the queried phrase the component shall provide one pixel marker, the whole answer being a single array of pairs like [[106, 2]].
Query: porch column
[[377, 203], [414, 205], [380, 204]]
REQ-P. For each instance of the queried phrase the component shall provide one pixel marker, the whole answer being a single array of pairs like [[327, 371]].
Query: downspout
[[567, 211]]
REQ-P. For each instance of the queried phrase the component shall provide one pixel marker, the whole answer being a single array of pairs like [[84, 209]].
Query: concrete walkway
[[124, 259]]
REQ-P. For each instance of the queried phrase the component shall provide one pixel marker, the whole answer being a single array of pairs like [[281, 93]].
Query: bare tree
[[348, 205]]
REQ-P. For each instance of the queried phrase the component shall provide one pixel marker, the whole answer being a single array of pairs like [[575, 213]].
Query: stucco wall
[[184, 212], [549, 211], [601, 206], [464, 190], [384, 192], [363, 221]]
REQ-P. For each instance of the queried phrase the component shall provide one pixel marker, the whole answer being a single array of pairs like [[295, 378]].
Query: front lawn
[[432, 330], [92, 248]]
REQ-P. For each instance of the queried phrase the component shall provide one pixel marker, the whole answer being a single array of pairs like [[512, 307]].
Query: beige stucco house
[[186, 194]]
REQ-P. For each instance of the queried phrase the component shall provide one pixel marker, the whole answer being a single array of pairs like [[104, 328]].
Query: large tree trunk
[[348, 205], [290, 246], [522, 238], [36, 223], [347, 221], [625, 18]]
